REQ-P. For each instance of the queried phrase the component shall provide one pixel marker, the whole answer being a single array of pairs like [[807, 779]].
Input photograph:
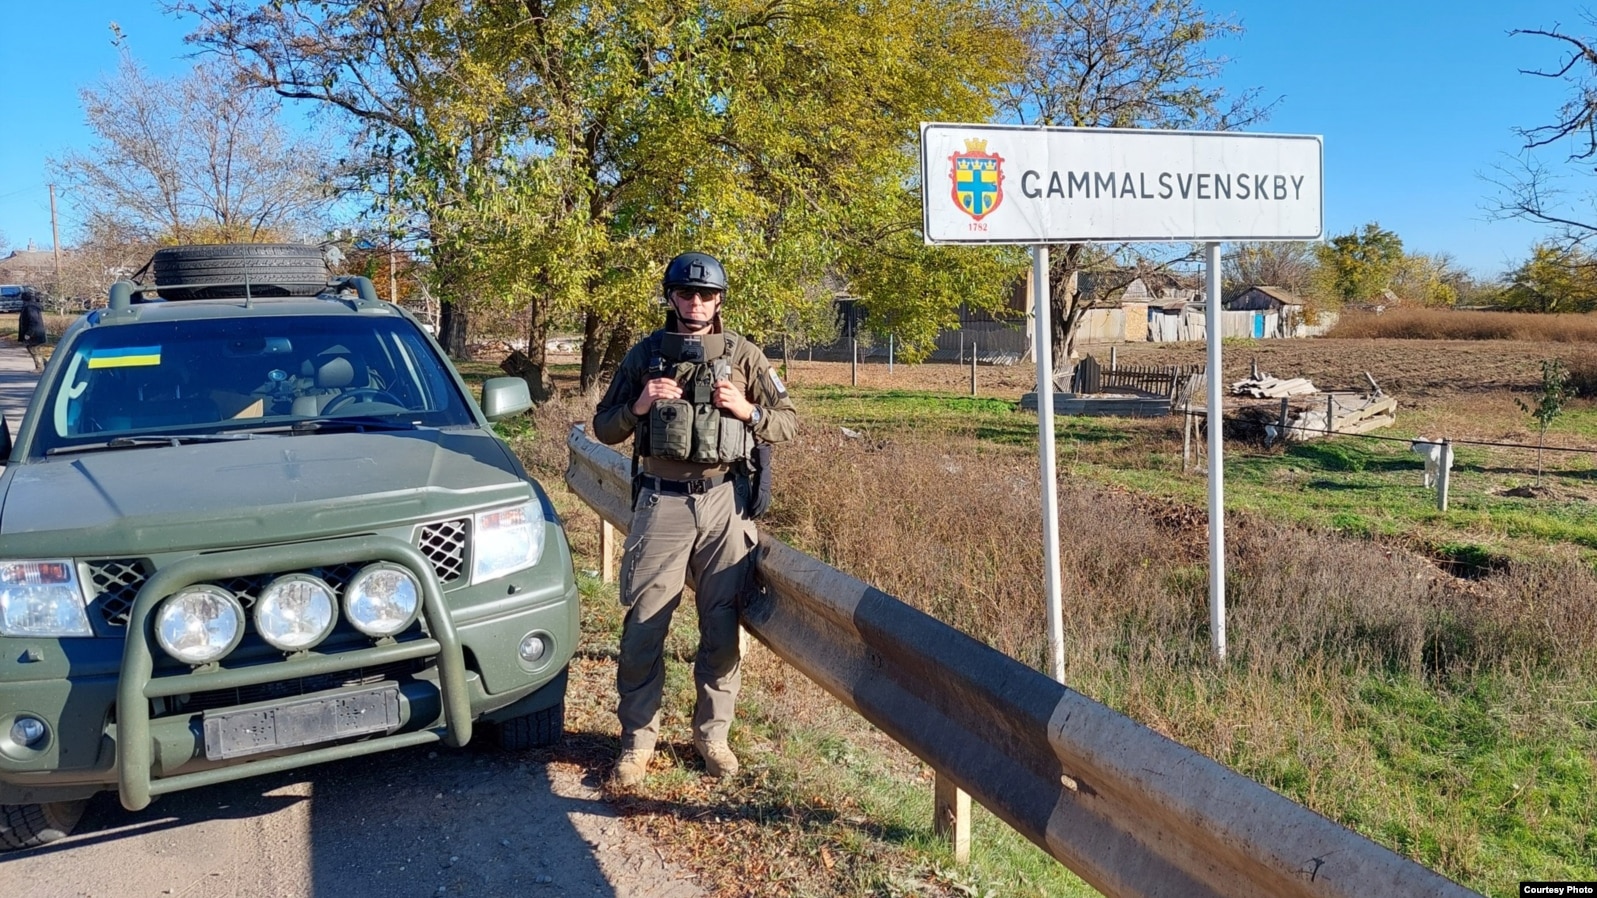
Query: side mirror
[[505, 396], [5, 440]]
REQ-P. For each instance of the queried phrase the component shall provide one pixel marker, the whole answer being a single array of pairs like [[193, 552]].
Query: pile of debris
[[1302, 412], [1267, 387]]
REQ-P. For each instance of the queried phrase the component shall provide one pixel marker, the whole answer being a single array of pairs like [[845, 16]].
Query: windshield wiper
[[152, 439], [355, 423]]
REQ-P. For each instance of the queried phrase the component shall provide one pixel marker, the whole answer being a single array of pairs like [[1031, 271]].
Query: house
[[1281, 313], [28, 266]]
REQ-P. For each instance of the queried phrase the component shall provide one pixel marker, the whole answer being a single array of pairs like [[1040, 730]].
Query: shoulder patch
[[776, 383]]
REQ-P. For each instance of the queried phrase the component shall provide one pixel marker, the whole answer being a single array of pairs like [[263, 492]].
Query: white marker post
[[1004, 184]]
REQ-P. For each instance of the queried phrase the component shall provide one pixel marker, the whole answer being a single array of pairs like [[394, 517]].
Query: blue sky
[[1415, 99]]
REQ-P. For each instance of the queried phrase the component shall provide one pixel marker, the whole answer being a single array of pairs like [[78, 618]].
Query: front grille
[[292, 687], [116, 581], [444, 544]]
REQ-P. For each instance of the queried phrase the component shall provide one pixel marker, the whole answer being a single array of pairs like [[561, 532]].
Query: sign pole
[[1216, 419], [1043, 348]]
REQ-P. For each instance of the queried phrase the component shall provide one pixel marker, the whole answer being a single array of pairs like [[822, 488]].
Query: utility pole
[[55, 240], [393, 278]]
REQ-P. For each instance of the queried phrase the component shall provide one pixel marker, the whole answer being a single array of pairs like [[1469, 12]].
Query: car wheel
[[540, 729], [28, 825], [269, 269]]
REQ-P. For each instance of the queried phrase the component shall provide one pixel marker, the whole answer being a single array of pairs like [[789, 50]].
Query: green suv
[[244, 529]]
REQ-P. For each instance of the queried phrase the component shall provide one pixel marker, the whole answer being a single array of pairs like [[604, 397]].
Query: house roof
[[27, 266], [1279, 295]]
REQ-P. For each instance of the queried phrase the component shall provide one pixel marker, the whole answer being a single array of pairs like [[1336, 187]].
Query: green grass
[[1368, 487]]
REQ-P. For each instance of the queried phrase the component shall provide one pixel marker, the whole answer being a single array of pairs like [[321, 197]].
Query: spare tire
[[268, 269]]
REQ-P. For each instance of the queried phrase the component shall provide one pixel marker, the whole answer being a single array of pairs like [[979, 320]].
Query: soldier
[[696, 399]]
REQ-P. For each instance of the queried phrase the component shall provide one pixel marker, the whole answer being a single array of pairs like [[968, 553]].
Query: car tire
[[30, 825], [540, 729], [269, 269]]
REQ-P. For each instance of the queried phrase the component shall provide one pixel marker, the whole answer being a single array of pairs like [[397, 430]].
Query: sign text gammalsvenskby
[[1009, 184]]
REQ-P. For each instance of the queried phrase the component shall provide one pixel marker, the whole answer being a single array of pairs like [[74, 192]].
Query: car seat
[[332, 372]]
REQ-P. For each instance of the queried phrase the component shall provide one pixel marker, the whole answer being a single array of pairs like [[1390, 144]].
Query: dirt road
[[418, 822]]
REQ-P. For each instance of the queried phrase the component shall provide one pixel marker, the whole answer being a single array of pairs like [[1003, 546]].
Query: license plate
[[307, 721]]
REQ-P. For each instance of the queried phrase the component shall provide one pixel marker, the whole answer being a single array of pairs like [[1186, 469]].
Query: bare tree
[[1285, 264], [1119, 64], [1535, 189], [193, 159], [105, 254]]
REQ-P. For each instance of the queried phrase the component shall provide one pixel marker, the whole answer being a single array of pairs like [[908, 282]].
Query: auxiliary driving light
[[295, 612], [382, 599], [199, 624]]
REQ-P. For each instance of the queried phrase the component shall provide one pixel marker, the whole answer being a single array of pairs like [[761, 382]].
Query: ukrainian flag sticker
[[126, 357]]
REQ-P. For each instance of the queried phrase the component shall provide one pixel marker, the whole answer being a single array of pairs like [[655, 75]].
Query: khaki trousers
[[670, 535]]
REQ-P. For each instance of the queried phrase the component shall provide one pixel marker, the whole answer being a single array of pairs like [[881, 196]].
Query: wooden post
[[853, 367], [1186, 438], [974, 349], [607, 546], [1444, 474], [1330, 413], [1114, 359], [1284, 410], [952, 817], [889, 353]]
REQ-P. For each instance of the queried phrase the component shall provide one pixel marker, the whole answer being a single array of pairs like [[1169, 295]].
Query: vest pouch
[[671, 429], [706, 434]]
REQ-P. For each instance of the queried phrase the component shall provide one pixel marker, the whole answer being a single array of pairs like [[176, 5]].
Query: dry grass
[[1350, 662], [953, 527], [1439, 324]]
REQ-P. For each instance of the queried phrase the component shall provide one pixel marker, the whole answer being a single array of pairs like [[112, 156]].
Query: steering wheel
[[362, 394]]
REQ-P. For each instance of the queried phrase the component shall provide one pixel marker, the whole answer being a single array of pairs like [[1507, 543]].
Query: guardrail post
[[607, 546], [952, 817]]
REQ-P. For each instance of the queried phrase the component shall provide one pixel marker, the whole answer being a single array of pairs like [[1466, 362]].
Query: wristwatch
[[754, 416]]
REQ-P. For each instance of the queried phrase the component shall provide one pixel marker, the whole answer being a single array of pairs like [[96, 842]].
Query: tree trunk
[[533, 365], [1064, 301], [593, 345], [620, 342], [452, 327]]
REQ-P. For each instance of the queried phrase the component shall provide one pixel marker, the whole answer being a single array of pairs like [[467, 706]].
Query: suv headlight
[[506, 541], [199, 624], [42, 598]]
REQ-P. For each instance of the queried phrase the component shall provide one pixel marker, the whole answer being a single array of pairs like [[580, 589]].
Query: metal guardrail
[[1128, 810]]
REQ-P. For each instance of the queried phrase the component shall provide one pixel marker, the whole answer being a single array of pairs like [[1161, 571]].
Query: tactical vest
[[692, 429]]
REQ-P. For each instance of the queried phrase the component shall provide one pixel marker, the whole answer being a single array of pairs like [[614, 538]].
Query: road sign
[[1011, 184]]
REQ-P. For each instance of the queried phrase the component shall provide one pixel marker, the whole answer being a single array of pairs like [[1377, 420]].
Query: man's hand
[[655, 389], [729, 398]]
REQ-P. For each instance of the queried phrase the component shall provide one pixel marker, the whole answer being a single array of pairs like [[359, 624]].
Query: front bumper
[[464, 666]]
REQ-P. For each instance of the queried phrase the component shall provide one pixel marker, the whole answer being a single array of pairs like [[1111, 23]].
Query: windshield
[[264, 374]]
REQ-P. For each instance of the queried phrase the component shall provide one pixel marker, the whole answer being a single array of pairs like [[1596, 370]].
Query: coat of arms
[[978, 179]]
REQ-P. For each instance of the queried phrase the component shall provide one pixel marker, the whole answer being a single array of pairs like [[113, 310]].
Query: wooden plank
[[1374, 422]]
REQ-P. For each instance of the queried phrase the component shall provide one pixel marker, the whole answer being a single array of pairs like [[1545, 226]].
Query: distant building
[[28, 266]]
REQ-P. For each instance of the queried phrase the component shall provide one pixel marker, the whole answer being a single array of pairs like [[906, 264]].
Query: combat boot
[[631, 767], [719, 761]]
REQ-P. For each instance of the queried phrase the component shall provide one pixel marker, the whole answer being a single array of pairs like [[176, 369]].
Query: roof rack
[[125, 293]]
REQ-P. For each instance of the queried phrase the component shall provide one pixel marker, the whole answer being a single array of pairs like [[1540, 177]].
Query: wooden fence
[[1167, 380]]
